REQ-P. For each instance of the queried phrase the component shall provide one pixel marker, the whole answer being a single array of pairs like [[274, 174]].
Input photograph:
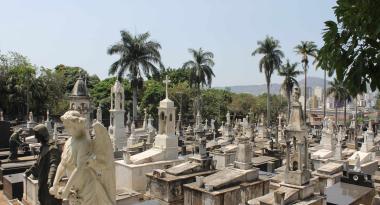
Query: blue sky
[[78, 33]]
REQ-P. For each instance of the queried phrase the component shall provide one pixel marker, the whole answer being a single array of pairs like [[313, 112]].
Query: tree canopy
[[351, 44]]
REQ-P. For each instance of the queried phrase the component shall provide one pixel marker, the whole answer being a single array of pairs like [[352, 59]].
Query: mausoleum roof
[[80, 88]]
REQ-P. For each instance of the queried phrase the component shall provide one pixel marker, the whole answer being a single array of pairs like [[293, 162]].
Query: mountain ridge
[[275, 87]]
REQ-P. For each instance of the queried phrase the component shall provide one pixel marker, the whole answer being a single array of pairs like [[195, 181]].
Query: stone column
[[287, 168], [299, 145], [306, 154]]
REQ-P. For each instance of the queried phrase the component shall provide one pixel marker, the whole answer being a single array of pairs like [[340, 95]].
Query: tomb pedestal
[[169, 189], [132, 176], [13, 186], [238, 194], [304, 191], [30, 195]]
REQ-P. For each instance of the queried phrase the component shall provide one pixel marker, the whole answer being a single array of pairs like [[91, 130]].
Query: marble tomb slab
[[183, 168], [230, 176], [330, 168], [291, 194]]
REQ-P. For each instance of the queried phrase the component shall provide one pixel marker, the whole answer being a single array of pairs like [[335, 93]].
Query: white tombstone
[[99, 117], [145, 123], [338, 147], [117, 128], [164, 152], [30, 123], [55, 132], [132, 139], [48, 122], [327, 139], [368, 139]]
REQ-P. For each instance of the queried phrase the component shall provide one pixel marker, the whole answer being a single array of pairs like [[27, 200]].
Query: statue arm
[[53, 164], [32, 171]]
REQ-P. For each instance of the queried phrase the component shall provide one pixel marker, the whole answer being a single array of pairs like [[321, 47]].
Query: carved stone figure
[[30, 118], [357, 167], [14, 143], [46, 166], [88, 164]]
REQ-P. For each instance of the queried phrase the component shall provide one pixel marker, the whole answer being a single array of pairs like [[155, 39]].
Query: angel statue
[[87, 162]]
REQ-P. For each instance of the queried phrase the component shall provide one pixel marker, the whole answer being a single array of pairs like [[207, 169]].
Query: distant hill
[[275, 87]]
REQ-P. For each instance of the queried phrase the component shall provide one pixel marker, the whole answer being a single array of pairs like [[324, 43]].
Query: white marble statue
[[88, 163], [357, 167], [30, 118], [1, 116]]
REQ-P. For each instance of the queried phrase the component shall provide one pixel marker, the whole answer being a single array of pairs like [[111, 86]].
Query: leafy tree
[[289, 72], [176, 76], [271, 60], [51, 87], [200, 71], [278, 105], [154, 92], [351, 44], [182, 95], [306, 49], [8, 62], [138, 56], [241, 104], [71, 74], [215, 104], [338, 90]]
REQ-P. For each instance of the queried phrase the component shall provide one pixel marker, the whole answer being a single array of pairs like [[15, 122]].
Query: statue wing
[[102, 143], [105, 161]]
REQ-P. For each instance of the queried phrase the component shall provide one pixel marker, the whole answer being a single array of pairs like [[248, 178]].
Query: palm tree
[[305, 49], [200, 71], [271, 60], [138, 56], [339, 92], [348, 99], [289, 72]]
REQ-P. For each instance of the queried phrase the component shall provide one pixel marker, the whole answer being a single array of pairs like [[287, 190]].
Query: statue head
[[41, 133], [74, 123], [296, 93]]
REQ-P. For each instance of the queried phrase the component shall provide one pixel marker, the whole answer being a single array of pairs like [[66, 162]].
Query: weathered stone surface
[[82, 156], [132, 176]]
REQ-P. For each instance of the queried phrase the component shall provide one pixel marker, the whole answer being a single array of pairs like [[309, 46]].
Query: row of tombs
[[239, 163]]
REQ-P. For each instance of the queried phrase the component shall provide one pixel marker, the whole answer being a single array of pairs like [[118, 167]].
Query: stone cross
[[167, 81], [279, 120]]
